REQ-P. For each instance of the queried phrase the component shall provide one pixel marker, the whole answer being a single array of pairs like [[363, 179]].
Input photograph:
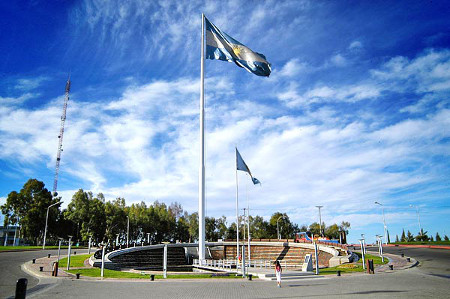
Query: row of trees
[[421, 237], [92, 216]]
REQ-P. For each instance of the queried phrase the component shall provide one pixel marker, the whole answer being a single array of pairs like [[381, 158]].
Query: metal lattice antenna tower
[[60, 137]]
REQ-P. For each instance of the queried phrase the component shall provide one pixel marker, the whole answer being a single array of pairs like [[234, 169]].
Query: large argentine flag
[[221, 46]]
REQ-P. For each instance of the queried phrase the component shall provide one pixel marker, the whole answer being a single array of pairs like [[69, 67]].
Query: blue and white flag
[[240, 165], [255, 181], [221, 46]]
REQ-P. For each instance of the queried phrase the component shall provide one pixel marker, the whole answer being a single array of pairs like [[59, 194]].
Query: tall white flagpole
[[201, 196], [248, 227], [237, 213]]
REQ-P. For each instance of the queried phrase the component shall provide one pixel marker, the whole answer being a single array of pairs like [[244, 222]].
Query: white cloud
[[355, 45], [292, 68], [327, 94], [26, 84], [338, 60], [428, 72], [5, 101]]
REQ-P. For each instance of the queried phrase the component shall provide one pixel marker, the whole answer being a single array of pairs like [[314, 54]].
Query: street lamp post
[[320, 220], [278, 230], [384, 222], [418, 218], [46, 221]]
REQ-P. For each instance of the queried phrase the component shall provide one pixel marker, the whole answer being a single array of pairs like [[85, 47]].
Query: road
[[431, 261], [428, 280], [10, 265]]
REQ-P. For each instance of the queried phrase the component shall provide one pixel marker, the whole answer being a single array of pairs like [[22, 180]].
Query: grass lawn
[[95, 272], [75, 260], [353, 267]]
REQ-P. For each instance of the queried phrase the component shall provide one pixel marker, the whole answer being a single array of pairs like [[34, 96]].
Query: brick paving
[[47, 267], [398, 263]]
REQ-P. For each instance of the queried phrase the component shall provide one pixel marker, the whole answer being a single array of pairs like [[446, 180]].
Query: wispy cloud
[[26, 84], [5, 101]]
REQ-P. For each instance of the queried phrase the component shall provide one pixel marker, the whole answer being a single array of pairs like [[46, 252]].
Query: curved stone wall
[[179, 255]]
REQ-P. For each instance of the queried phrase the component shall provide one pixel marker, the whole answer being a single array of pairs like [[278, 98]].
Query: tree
[[116, 218], [303, 228], [314, 228], [286, 228], [259, 228], [396, 239], [422, 236], [332, 231], [345, 226], [221, 224], [403, 237], [182, 231], [88, 213], [231, 231], [30, 207], [438, 238], [193, 227], [446, 238], [409, 237], [210, 229]]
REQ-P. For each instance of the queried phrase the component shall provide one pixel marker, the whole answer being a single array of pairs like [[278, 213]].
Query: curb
[[420, 246]]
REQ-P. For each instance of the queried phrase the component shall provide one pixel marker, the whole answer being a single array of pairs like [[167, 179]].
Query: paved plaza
[[426, 280]]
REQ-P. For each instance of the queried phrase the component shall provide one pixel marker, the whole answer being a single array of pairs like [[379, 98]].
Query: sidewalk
[[47, 267], [398, 263]]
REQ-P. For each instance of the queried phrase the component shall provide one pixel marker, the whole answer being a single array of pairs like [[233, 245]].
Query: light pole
[[46, 221], [128, 229], [320, 220], [384, 222], [278, 230], [68, 252], [418, 218]]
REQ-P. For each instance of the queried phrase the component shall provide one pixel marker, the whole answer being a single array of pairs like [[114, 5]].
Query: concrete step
[[287, 276]]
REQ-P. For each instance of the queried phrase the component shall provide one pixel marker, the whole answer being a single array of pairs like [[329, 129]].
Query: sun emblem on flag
[[237, 50]]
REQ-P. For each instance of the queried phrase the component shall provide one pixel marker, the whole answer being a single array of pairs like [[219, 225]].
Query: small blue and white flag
[[221, 46], [255, 181], [240, 165]]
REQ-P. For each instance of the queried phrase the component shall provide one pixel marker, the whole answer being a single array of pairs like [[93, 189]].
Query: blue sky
[[356, 109]]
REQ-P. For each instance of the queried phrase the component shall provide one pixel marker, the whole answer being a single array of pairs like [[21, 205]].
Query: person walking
[[278, 271]]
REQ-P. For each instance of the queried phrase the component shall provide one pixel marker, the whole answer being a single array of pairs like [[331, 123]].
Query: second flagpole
[[237, 215], [201, 197]]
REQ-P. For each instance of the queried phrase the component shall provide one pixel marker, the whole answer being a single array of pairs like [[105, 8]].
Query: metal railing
[[229, 264]]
